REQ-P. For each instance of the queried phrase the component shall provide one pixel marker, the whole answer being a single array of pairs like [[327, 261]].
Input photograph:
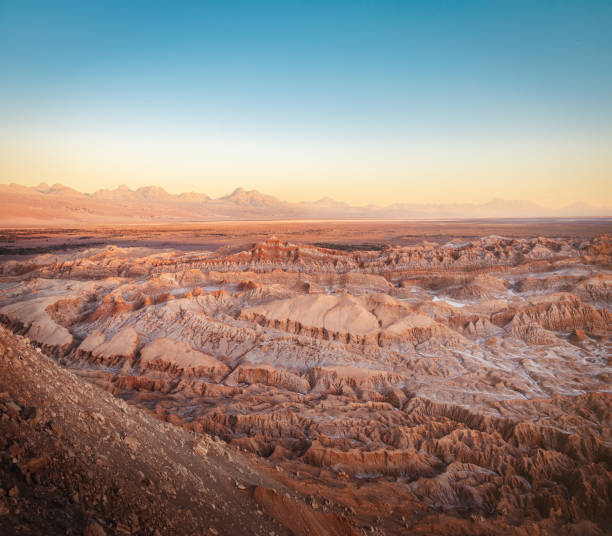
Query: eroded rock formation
[[456, 389]]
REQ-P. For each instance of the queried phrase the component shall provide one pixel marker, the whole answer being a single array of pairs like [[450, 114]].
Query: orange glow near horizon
[[553, 173]]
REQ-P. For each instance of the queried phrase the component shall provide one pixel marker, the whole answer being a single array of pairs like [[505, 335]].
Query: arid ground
[[335, 233], [311, 377]]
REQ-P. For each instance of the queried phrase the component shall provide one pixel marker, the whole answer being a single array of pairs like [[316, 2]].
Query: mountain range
[[60, 205]]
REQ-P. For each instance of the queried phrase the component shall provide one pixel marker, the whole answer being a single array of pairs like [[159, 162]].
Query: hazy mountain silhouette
[[58, 204]]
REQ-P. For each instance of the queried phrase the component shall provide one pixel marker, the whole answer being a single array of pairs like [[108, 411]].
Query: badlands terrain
[[383, 384]]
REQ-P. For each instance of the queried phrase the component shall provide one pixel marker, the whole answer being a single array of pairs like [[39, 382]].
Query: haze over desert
[[306, 268], [58, 205]]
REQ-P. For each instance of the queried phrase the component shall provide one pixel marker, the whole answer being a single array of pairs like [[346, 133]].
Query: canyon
[[424, 385]]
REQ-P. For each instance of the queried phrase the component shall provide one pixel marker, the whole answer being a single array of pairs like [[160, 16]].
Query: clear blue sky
[[304, 99]]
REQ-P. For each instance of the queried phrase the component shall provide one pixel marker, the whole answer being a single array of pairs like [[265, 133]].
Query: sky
[[363, 101]]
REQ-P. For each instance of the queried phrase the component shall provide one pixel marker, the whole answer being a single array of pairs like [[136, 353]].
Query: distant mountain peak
[[329, 202], [153, 193], [240, 196]]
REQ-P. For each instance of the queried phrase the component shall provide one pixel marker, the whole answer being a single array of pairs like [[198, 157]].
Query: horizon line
[[125, 187]]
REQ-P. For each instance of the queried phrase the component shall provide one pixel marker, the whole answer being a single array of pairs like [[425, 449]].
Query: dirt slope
[[75, 459]]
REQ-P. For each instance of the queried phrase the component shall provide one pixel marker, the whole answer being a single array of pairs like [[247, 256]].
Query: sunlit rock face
[[456, 389]]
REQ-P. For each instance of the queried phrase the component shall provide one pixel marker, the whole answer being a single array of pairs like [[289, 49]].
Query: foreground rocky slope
[[455, 389], [75, 459]]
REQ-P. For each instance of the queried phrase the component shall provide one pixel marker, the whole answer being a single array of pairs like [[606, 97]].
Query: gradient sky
[[365, 101]]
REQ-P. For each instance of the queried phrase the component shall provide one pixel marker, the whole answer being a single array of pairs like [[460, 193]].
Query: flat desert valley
[[307, 377]]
